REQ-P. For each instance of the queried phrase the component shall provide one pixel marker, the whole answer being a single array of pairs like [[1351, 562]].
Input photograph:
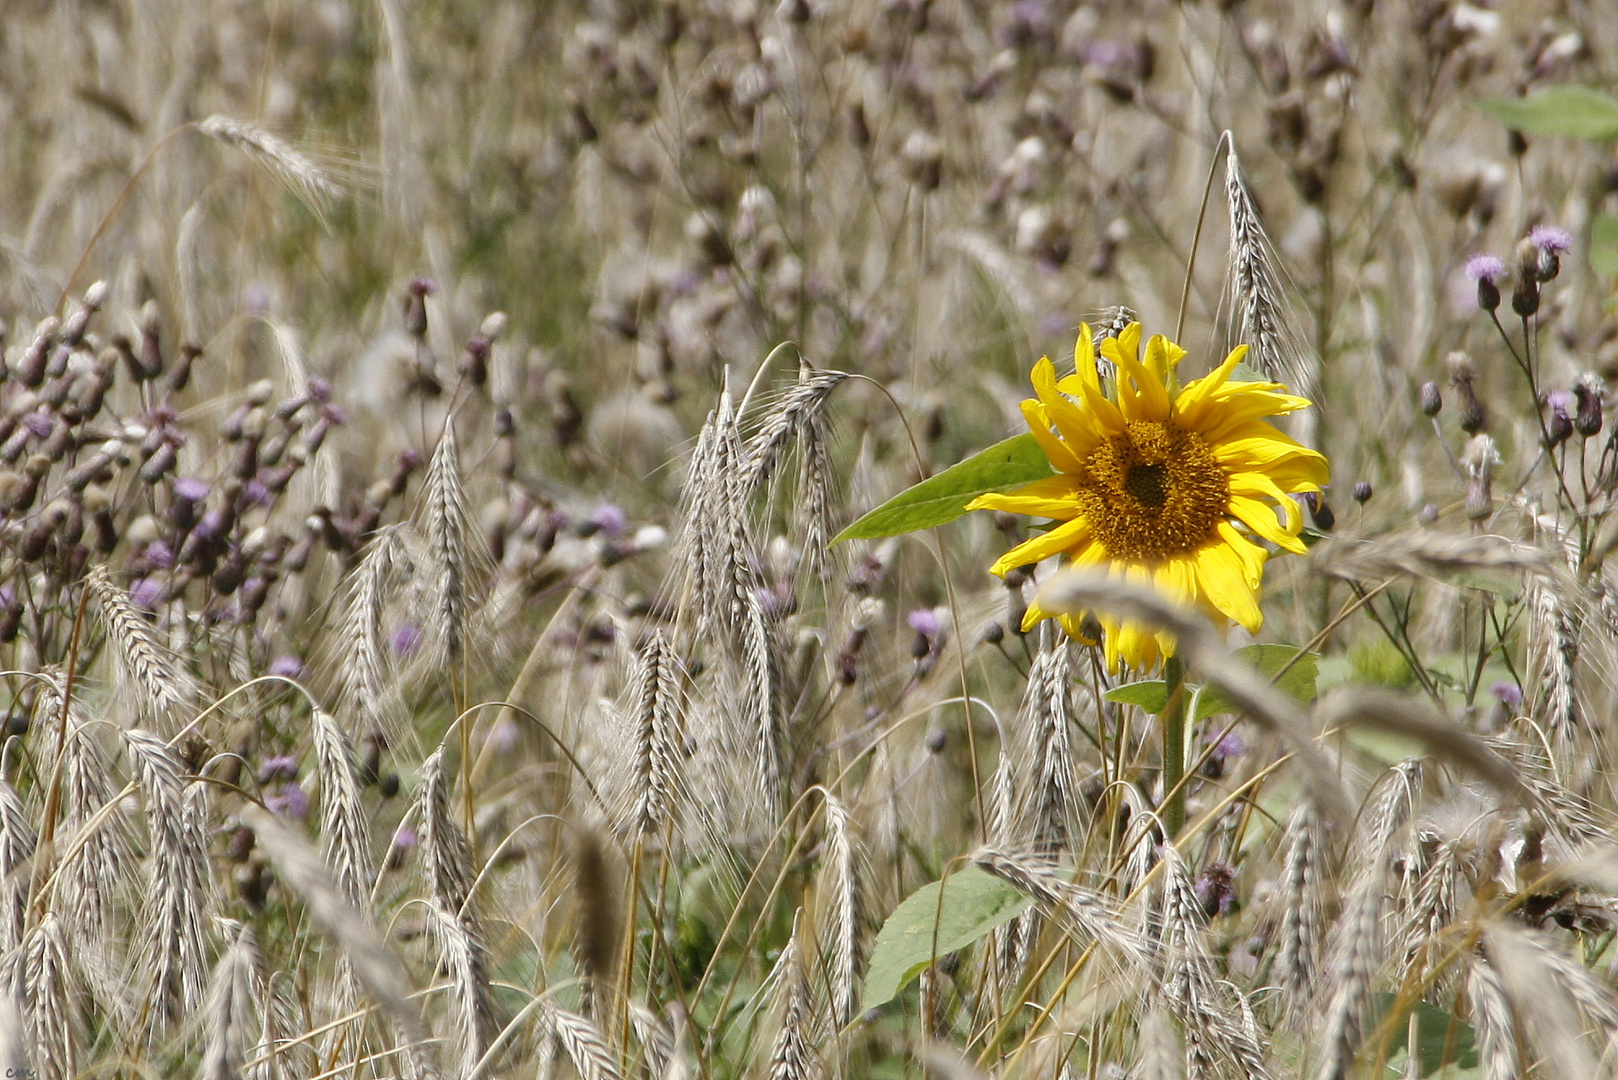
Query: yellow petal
[[1057, 452], [1162, 357], [1147, 398], [1258, 448], [1260, 517], [1129, 340], [1222, 577], [1065, 537], [1177, 580], [1052, 497], [1252, 556], [1084, 360]]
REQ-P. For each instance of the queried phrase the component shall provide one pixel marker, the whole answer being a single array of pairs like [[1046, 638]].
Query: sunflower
[[1161, 484]]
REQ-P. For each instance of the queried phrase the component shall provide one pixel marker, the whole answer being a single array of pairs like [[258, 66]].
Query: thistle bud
[[415, 305], [1363, 492], [162, 460], [73, 328], [151, 351], [31, 365], [1432, 402], [1486, 270], [1549, 242], [476, 364], [1559, 425], [1321, 511], [180, 373], [1461, 376], [1588, 392], [1525, 297]]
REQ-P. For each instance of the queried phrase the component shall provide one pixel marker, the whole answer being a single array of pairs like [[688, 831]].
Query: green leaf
[[1580, 111], [1441, 1039], [1151, 695], [1298, 682], [1604, 244], [974, 903], [943, 498], [1245, 372]]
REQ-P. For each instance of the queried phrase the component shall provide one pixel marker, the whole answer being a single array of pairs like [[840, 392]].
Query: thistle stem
[[1173, 719]]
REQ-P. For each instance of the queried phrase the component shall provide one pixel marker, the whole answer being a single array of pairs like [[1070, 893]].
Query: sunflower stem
[[1173, 719]]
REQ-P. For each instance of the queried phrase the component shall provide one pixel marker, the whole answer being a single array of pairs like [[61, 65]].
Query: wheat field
[[445, 633]]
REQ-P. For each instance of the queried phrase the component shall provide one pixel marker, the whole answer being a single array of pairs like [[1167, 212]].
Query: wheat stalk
[[446, 858], [792, 1055], [840, 933], [461, 954], [381, 973], [162, 685], [584, 1044], [294, 168], [231, 995], [1261, 319], [174, 937]]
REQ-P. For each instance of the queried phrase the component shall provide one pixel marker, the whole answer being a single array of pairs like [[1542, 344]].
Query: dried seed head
[[1479, 460], [923, 160]]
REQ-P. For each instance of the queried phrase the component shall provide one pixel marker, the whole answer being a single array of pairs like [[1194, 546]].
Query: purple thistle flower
[[1550, 238], [406, 639], [504, 736], [610, 520], [287, 666], [1215, 888], [1485, 267], [291, 801], [190, 489], [925, 621], [146, 593], [159, 554], [1508, 694], [279, 767]]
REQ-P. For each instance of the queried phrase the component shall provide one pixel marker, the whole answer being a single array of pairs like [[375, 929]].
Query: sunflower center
[[1148, 484], [1153, 491]]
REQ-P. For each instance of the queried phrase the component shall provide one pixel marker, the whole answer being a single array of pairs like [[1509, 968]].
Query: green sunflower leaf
[[943, 498], [1151, 694], [1604, 244], [1441, 1039], [1245, 372], [922, 928], [1296, 681], [1580, 111]]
